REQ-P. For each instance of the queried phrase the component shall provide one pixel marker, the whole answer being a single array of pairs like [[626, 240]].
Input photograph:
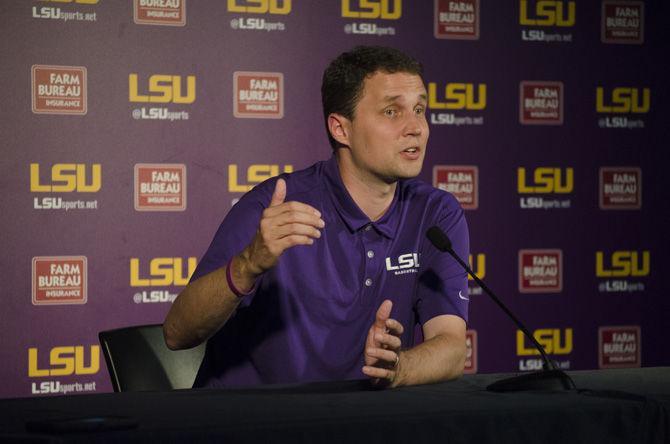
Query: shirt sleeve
[[443, 285]]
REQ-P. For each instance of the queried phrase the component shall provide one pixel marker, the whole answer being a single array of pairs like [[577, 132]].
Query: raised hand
[[283, 225]]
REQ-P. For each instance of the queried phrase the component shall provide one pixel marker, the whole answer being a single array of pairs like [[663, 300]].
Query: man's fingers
[[390, 341], [377, 372], [383, 313], [389, 356], [299, 229], [394, 327], [291, 206], [298, 217], [279, 193]]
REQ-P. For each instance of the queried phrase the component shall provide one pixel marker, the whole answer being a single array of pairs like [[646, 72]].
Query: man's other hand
[[382, 347], [283, 225]]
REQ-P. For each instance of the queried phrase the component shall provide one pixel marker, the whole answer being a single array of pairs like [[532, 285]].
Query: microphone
[[550, 377]]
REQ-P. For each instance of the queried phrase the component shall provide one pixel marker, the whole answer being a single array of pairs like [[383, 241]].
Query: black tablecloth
[[613, 406]]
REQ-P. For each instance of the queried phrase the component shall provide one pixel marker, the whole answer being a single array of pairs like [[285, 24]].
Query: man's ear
[[340, 128]]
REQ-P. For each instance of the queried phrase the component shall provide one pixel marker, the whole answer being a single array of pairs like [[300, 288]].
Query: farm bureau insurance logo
[[59, 89], [464, 97], [258, 95], [622, 22], [555, 342], [162, 89], [59, 280], [163, 272], [66, 178], [65, 13], [159, 12], [460, 180], [456, 19], [541, 103], [546, 181], [541, 271], [623, 104], [620, 265], [160, 187], [552, 16], [370, 10], [470, 352], [69, 361], [274, 7], [619, 347], [620, 188]]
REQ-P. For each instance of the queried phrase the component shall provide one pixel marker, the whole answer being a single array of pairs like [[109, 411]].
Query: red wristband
[[231, 285]]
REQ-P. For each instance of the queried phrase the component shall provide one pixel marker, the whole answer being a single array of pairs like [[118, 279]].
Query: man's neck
[[372, 195]]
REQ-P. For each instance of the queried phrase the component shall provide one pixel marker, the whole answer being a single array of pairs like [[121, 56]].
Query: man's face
[[389, 131]]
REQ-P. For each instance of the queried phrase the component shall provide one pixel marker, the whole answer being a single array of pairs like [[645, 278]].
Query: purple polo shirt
[[309, 316]]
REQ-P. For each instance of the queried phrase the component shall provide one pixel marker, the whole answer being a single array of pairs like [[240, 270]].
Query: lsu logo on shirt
[[546, 180], [255, 174], [557, 13], [457, 96], [623, 264], [279, 7], [554, 341], [162, 88], [405, 263], [372, 9], [67, 178], [163, 272], [623, 100], [64, 361]]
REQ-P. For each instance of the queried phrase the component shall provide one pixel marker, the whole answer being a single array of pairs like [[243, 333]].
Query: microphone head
[[438, 238]]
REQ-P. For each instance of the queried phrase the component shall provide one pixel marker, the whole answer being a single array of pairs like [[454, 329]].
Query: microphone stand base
[[548, 380]]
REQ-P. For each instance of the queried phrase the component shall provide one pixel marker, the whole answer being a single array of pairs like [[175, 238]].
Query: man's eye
[[390, 112], [420, 110]]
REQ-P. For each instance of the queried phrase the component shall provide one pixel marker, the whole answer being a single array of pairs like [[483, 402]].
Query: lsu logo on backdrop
[[163, 88], [159, 12], [623, 100], [554, 341], [477, 265], [255, 174], [558, 13], [456, 19], [541, 271], [258, 95], [64, 361], [546, 180], [470, 352], [541, 103], [622, 22], [67, 178], [457, 96], [619, 347], [279, 7], [59, 280], [623, 264], [460, 180], [59, 89], [160, 187], [372, 9], [163, 272], [620, 188]]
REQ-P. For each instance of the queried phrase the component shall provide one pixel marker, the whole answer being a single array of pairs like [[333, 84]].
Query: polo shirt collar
[[351, 214]]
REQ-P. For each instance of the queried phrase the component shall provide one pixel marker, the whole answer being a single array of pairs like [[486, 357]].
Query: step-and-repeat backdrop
[[129, 129]]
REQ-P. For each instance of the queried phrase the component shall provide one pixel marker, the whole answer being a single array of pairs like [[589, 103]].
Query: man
[[322, 274]]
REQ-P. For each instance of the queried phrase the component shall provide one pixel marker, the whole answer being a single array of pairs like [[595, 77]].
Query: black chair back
[[138, 360]]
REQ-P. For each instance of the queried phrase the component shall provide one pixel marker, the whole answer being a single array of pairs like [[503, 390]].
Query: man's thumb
[[279, 193], [383, 313]]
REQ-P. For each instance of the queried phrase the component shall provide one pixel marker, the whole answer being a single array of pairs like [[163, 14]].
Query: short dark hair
[[342, 83]]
